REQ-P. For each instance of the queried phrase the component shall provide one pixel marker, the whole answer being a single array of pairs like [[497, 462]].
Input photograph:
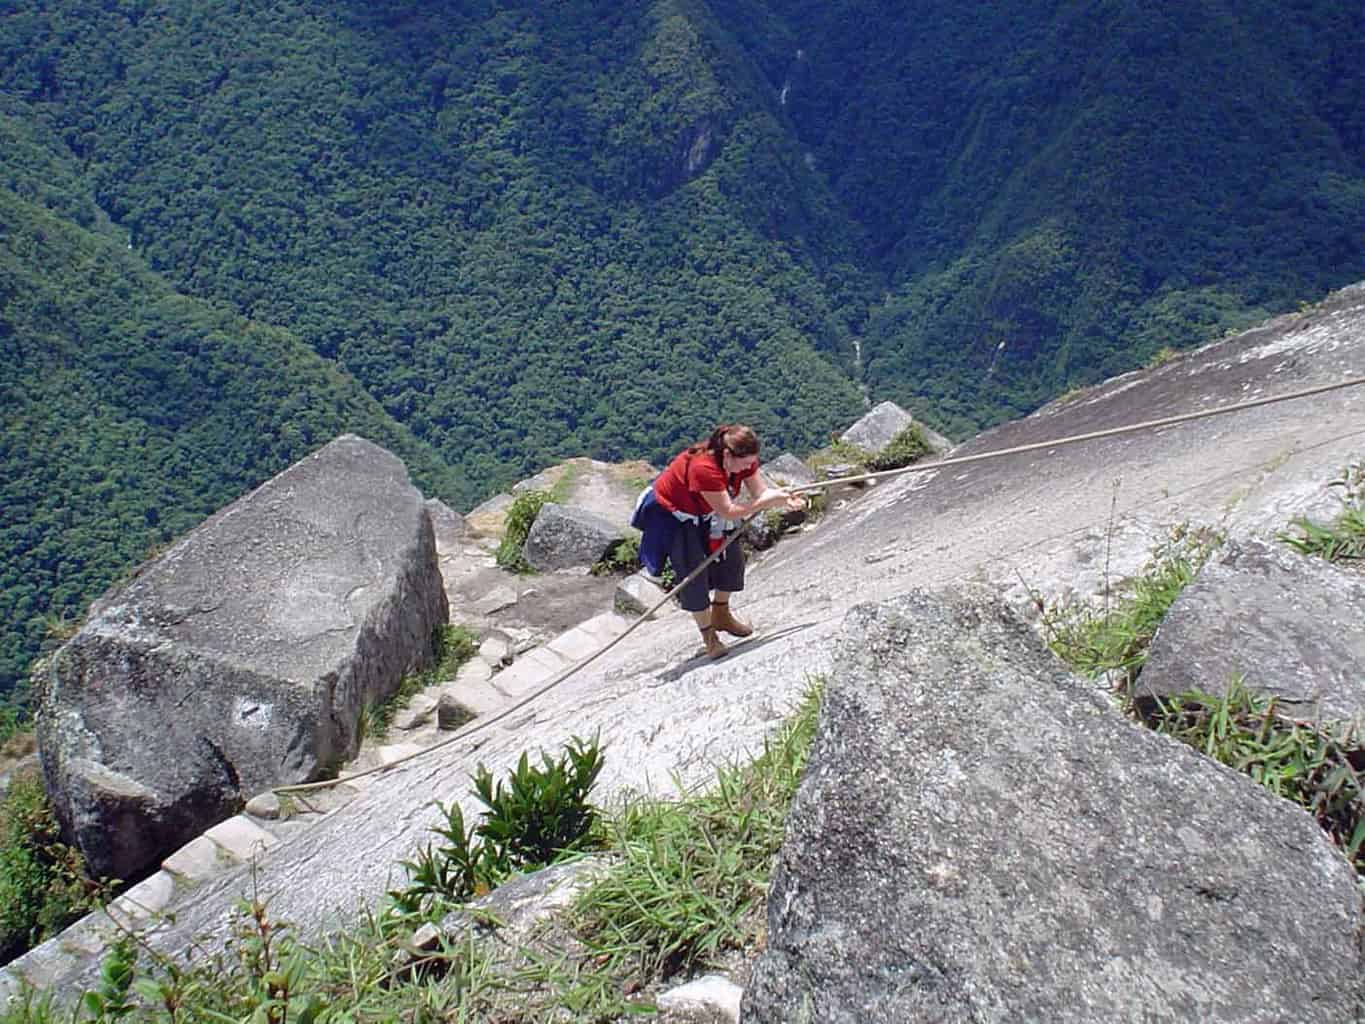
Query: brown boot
[[714, 648], [722, 619]]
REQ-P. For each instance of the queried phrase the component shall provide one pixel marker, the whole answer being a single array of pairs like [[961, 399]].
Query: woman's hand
[[776, 496], [796, 502]]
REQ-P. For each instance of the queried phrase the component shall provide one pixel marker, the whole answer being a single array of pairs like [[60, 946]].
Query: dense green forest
[[131, 411], [490, 235], [1053, 191]]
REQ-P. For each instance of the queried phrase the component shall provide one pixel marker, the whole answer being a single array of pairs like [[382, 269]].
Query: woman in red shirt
[[697, 494]]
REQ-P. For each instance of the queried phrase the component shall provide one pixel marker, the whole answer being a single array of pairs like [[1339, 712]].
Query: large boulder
[[241, 657], [979, 836], [1290, 626], [565, 537], [879, 427]]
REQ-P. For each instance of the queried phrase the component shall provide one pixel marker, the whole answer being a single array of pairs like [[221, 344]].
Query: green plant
[[690, 878], [43, 884], [835, 453], [521, 515], [112, 1001], [1345, 537], [451, 646], [1306, 762], [1161, 357], [534, 818], [907, 447], [624, 558], [1116, 638]]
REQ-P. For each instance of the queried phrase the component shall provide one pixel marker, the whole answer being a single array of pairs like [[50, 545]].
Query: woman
[[686, 514]]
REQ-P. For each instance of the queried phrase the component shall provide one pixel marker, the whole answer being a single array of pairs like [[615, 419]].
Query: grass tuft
[[1345, 537], [1116, 638]]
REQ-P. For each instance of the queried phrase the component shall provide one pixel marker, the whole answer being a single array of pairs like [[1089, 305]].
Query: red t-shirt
[[680, 486]]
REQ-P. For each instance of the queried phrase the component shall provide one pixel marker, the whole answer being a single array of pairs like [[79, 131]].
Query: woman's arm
[[722, 504], [762, 491]]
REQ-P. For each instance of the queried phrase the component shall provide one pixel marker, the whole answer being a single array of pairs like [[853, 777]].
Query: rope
[[921, 467]]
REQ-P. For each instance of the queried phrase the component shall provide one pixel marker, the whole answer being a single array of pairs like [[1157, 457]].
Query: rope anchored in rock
[[921, 467]]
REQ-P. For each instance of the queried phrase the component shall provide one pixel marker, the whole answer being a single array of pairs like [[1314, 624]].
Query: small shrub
[[837, 452], [1344, 538], [775, 521], [1161, 357], [534, 819], [907, 447], [623, 559], [520, 517], [43, 886]]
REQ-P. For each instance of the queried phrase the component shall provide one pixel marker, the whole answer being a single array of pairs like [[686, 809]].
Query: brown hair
[[735, 437]]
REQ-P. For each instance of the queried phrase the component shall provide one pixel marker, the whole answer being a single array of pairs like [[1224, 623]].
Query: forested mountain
[[1054, 191], [494, 234], [131, 412]]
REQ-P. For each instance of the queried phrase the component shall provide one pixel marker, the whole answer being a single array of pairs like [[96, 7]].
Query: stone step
[[529, 671]]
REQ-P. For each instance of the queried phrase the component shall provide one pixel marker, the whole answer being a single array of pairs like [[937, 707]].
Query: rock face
[[564, 537], [241, 657], [1291, 626], [981, 837], [879, 427], [788, 471]]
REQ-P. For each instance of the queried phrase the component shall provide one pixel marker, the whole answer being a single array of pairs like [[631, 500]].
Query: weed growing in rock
[[1306, 762], [535, 818], [1116, 638], [691, 878], [906, 448], [1344, 538], [621, 560], [452, 646], [520, 517]]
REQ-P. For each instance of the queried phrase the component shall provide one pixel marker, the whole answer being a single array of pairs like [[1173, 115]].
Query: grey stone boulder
[[240, 658], [447, 524], [1290, 625], [979, 836], [565, 537], [788, 471], [880, 426]]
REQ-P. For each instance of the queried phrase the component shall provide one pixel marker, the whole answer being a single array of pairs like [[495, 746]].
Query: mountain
[[1055, 192], [495, 235], [132, 411]]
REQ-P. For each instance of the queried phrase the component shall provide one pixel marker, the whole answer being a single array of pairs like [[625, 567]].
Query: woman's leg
[[689, 551], [729, 576]]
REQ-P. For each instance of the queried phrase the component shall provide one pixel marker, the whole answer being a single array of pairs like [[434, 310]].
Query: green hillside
[[483, 212], [132, 412], [1056, 191]]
